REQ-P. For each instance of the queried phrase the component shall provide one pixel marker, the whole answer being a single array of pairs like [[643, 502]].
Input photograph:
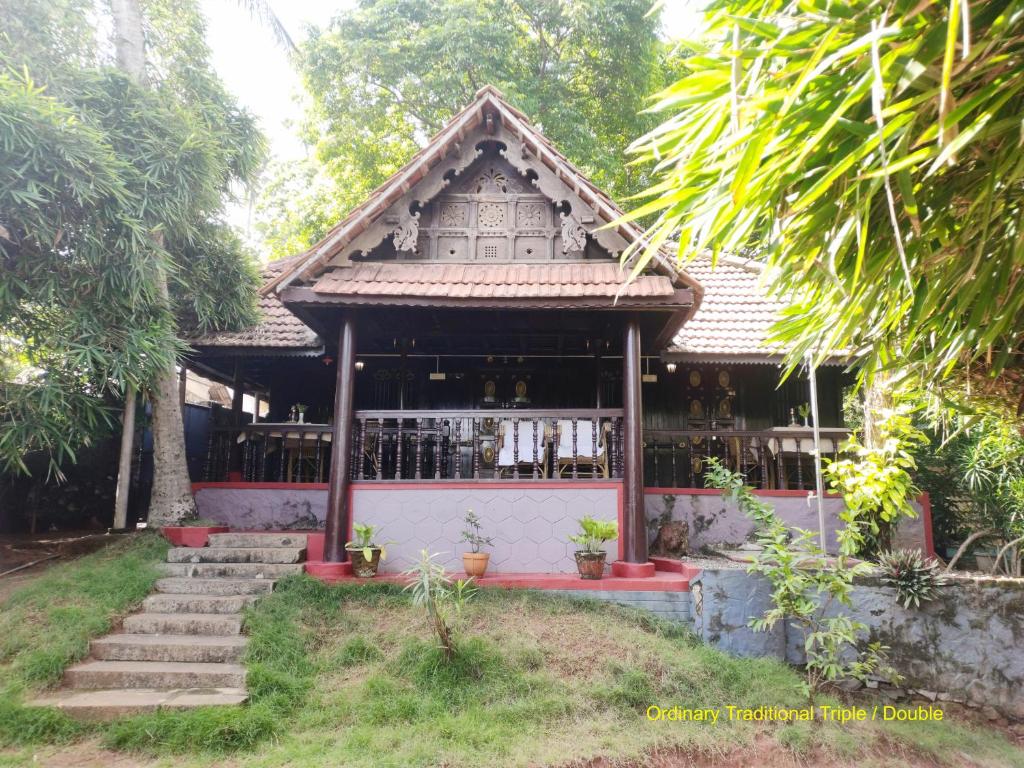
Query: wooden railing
[[512, 444], [281, 453], [487, 444], [780, 458]]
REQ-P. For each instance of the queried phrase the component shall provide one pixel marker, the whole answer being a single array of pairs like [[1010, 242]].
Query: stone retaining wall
[[673, 606], [966, 643]]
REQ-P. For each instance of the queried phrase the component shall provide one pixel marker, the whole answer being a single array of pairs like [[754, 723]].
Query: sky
[[257, 70]]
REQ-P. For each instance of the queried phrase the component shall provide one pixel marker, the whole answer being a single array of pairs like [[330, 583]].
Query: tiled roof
[[487, 281], [278, 328], [736, 315]]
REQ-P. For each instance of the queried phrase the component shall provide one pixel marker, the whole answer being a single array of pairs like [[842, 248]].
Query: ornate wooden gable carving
[[489, 201]]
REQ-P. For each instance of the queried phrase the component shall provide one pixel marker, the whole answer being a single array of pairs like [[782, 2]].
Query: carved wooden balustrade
[[513, 444], [773, 459], [495, 444], [281, 453]]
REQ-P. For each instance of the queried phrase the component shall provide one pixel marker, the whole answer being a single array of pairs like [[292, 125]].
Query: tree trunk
[[129, 38], [171, 501], [877, 398]]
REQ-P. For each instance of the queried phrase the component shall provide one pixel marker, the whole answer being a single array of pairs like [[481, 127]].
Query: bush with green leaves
[[472, 534], [876, 483], [805, 585], [442, 599], [594, 534], [914, 577]]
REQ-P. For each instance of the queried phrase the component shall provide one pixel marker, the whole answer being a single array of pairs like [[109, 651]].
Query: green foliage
[[110, 190], [595, 533], [876, 483], [868, 152], [974, 473], [386, 74], [914, 577], [472, 535], [441, 598], [364, 540], [805, 586]]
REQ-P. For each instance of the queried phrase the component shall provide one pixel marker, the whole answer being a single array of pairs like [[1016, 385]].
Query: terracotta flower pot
[[191, 536], [475, 563], [591, 564], [361, 567]]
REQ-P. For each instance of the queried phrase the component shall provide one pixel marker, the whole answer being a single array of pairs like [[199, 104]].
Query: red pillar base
[[329, 571], [633, 570]]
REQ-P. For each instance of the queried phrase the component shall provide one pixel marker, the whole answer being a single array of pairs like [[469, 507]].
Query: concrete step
[[183, 624], [258, 540], [93, 675], [187, 586], [231, 570], [197, 603], [192, 648], [112, 703], [236, 555]]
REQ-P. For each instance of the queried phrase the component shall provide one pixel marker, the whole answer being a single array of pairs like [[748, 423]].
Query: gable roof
[[488, 102]]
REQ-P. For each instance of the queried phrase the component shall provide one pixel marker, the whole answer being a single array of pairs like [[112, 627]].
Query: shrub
[[914, 577], [442, 598], [804, 587], [594, 534]]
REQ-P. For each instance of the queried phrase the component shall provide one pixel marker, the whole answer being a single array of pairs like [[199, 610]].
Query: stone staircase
[[185, 648]]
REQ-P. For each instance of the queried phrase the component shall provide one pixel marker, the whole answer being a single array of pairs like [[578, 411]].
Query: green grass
[[47, 624], [350, 675]]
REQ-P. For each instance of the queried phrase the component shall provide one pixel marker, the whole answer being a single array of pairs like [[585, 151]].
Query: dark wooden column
[[237, 449], [634, 521], [338, 511]]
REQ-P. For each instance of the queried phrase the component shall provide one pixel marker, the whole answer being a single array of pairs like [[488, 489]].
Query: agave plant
[[914, 577]]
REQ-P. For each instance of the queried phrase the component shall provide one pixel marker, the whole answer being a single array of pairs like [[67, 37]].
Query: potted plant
[[474, 562], [591, 556], [192, 533], [365, 555]]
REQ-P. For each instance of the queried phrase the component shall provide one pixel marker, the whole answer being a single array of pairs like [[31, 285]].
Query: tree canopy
[[104, 185], [870, 153], [385, 75]]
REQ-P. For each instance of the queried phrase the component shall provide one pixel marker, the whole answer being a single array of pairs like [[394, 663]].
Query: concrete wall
[[967, 642], [263, 506], [715, 522], [530, 521]]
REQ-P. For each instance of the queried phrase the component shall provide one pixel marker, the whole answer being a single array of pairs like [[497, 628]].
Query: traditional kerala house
[[466, 339]]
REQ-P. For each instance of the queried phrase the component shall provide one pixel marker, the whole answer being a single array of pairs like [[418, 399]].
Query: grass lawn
[[349, 676]]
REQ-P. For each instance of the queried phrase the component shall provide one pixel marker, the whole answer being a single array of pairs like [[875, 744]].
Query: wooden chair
[[507, 455], [584, 448]]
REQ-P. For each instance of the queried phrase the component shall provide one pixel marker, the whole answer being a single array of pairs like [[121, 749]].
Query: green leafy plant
[[442, 599], [805, 584], [804, 410], [594, 534], [914, 577], [472, 535], [364, 540], [876, 483]]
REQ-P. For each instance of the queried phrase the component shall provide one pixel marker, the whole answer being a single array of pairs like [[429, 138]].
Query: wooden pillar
[[338, 512], [237, 449], [182, 388], [124, 464], [634, 521]]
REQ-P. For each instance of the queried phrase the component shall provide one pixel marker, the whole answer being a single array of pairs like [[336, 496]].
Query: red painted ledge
[[625, 569], [659, 582]]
